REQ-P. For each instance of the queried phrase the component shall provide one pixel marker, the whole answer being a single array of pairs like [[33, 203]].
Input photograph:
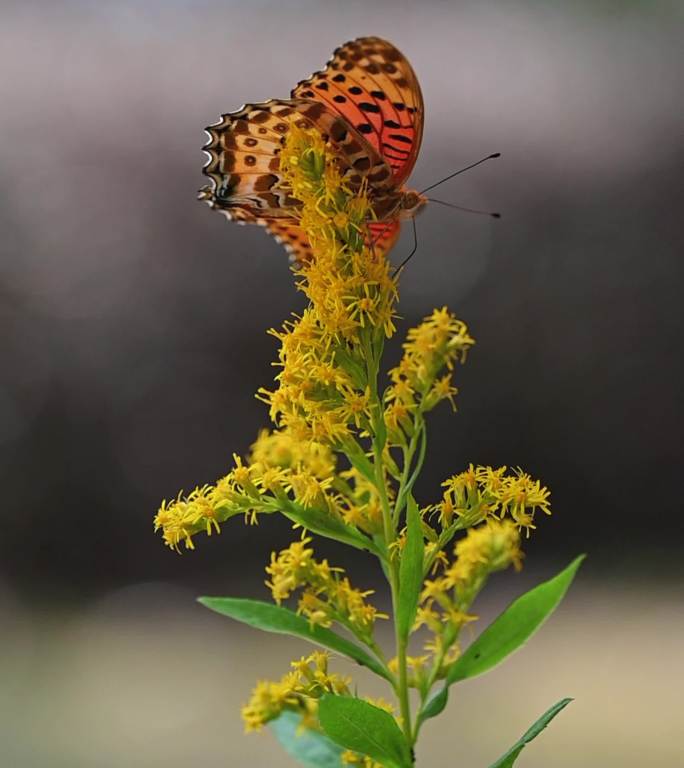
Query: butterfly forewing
[[373, 86]]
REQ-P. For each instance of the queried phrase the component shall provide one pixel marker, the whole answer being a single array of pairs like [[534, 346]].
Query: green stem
[[408, 460], [403, 690], [425, 692], [407, 482], [369, 642], [444, 538], [390, 533]]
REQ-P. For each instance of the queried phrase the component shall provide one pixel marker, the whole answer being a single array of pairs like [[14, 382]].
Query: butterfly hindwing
[[381, 237], [243, 165], [292, 237], [372, 85]]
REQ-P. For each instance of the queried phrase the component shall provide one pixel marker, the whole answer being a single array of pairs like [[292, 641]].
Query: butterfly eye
[[410, 201]]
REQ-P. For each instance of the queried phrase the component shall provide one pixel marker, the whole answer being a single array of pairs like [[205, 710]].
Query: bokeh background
[[133, 338]]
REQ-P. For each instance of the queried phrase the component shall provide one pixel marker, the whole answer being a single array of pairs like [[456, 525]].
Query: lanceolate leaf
[[311, 748], [435, 705], [355, 724], [514, 626], [507, 760], [410, 570], [276, 618], [505, 634]]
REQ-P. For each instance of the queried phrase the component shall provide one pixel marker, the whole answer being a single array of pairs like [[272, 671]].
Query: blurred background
[[134, 336]]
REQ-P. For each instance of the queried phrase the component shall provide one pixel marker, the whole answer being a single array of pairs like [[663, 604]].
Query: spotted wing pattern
[[366, 103], [292, 237], [244, 167], [381, 237], [373, 86]]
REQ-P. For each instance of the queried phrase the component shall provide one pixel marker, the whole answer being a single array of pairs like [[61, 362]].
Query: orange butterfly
[[367, 104]]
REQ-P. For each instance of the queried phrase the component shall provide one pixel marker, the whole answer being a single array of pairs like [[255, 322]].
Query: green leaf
[[410, 570], [380, 430], [355, 724], [507, 760], [504, 635], [281, 620], [513, 627], [435, 705], [311, 748], [321, 523], [359, 460]]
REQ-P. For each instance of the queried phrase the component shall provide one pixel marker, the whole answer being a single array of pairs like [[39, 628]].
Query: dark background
[[134, 318]]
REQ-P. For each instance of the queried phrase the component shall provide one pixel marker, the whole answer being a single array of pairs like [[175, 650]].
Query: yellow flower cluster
[[485, 549], [327, 595], [322, 389], [298, 690], [482, 492], [446, 600], [279, 465], [349, 286], [316, 398], [201, 510], [281, 469], [322, 397], [436, 344], [280, 450]]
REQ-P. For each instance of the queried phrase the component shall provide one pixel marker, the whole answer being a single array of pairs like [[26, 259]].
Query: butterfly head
[[410, 203]]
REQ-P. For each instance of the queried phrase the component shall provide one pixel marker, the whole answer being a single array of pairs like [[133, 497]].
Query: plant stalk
[[389, 529]]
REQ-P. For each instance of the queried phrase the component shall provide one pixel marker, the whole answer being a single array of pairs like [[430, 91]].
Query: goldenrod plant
[[341, 462]]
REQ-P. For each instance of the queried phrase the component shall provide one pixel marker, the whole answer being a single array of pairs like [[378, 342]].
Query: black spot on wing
[[366, 106], [399, 137]]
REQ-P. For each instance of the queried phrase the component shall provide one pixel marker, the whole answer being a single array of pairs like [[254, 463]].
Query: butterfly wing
[[244, 166], [367, 103], [381, 237], [372, 85], [292, 237]]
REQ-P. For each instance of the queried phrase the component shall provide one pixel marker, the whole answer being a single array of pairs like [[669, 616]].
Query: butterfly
[[368, 106]]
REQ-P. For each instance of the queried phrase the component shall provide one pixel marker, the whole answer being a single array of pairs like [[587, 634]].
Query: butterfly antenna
[[463, 170], [463, 208], [415, 248]]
